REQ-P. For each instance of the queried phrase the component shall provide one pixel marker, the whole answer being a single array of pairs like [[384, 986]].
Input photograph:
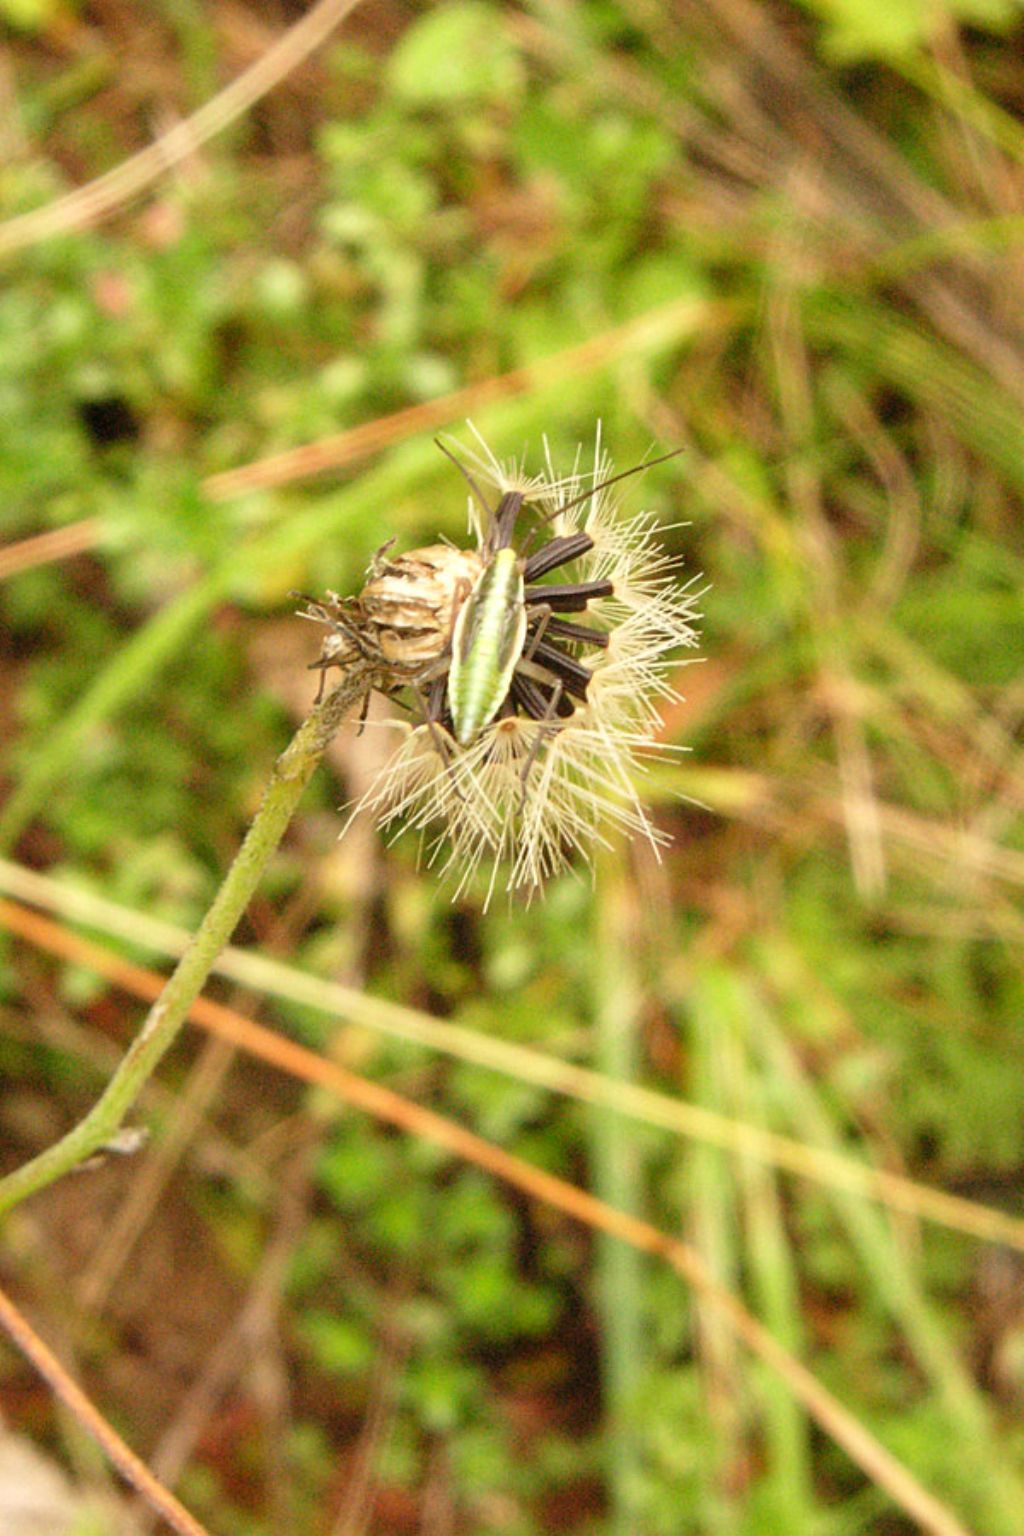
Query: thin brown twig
[[759, 803], [374, 1098], [87, 205], [56, 544], [67, 1390], [342, 448]]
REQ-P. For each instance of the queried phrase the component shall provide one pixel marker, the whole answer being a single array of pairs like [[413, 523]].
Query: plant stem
[[292, 772]]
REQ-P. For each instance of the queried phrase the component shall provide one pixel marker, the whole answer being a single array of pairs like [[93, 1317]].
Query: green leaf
[[340, 1345], [29, 15], [461, 52], [865, 29]]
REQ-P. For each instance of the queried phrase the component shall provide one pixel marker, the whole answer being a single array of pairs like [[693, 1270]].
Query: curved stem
[[292, 772]]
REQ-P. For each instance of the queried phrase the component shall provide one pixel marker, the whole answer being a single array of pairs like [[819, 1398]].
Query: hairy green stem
[[292, 772]]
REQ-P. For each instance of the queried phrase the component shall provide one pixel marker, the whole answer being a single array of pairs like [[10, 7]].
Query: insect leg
[[562, 629], [535, 639], [559, 663], [364, 709], [437, 739], [544, 725]]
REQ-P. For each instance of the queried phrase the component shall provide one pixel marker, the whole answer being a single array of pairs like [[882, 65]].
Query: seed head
[[552, 773]]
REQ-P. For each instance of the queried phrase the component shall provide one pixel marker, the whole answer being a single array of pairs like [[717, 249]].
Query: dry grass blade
[[517, 1061], [71, 1395], [832, 1417], [87, 205], [680, 319], [43, 548]]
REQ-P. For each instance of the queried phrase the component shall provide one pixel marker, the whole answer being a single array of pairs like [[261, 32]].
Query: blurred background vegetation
[[786, 237]]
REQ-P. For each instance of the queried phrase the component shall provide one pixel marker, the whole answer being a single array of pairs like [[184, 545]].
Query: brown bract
[[403, 618], [410, 604]]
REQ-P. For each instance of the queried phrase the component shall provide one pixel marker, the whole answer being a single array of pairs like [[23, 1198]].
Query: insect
[[476, 635], [508, 645]]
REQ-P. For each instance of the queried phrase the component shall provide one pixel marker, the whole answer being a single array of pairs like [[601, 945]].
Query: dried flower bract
[[526, 728]]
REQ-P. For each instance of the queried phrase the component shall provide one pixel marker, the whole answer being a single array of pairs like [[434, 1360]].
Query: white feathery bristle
[[526, 796]]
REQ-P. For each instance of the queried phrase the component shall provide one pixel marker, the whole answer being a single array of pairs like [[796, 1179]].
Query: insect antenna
[[500, 524], [464, 472], [623, 474]]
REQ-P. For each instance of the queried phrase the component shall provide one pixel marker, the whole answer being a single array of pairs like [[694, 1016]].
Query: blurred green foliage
[[894, 29], [831, 948]]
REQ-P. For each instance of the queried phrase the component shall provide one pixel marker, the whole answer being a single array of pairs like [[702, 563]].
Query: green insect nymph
[[478, 635], [487, 644], [507, 646]]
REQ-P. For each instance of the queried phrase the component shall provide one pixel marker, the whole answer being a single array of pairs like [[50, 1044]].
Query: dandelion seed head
[[537, 788]]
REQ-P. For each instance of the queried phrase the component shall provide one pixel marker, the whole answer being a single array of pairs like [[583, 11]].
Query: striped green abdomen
[[486, 644]]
